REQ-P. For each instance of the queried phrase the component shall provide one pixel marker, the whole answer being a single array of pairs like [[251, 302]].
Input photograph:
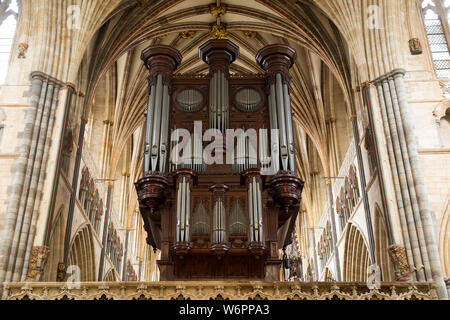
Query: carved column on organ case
[[219, 247]]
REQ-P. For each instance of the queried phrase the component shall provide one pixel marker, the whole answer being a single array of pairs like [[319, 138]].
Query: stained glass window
[[7, 32], [437, 16]]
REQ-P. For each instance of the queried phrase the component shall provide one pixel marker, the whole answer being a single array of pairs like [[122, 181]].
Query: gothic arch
[[56, 253], [111, 276], [381, 247], [329, 277], [82, 254], [444, 238], [356, 256]]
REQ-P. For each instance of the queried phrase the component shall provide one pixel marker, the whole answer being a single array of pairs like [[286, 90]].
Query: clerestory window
[[437, 17]]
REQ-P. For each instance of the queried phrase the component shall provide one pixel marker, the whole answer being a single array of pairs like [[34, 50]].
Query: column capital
[[161, 60], [190, 175], [219, 54], [277, 59], [45, 77]]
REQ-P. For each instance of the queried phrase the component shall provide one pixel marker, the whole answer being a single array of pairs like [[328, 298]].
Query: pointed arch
[[82, 255], [356, 256], [381, 247], [56, 253], [329, 277], [444, 238], [111, 276]]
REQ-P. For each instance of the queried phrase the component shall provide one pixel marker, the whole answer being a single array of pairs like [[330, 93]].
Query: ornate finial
[[218, 31], [187, 34], [249, 34], [218, 11]]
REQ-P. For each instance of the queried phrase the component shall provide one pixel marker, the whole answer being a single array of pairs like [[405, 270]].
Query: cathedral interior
[[345, 193]]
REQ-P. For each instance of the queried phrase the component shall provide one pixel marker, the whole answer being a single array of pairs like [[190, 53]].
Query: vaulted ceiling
[[186, 25]]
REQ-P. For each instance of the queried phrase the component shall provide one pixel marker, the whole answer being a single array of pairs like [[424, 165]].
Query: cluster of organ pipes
[[219, 101], [219, 232], [157, 125], [183, 209], [192, 157], [255, 210], [281, 119], [246, 153], [232, 103]]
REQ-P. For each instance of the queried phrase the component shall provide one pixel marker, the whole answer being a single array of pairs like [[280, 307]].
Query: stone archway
[[381, 248], [356, 256], [82, 255]]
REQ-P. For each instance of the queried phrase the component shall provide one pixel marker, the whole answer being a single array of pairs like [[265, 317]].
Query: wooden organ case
[[216, 221]]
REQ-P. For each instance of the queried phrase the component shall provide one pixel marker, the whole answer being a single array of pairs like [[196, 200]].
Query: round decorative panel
[[248, 99], [190, 100]]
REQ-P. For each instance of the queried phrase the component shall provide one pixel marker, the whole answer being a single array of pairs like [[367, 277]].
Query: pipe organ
[[223, 205]]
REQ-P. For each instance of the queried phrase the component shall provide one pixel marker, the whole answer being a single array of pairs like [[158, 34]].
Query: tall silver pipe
[[149, 128], [183, 210], [282, 122], [250, 213], [179, 212], [260, 217], [290, 132], [157, 122], [164, 130], [188, 211], [255, 210], [274, 139]]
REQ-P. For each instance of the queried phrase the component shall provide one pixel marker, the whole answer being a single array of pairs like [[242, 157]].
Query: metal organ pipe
[[164, 130], [148, 128], [157, 123], [255, 209], [277, 60], [282, 122], [290, 131]]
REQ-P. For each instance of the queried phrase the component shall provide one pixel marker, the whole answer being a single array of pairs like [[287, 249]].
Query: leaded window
[[436, 17]]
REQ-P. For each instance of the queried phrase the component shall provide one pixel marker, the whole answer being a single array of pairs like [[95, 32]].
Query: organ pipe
[[185, 180], [219, 54], [276, 60], [161, 61], [255, 208], [219, 214]]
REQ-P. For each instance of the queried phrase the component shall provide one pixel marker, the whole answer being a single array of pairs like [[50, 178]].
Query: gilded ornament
[[187, 34], [219, 31], [216, 11], [249, 34]]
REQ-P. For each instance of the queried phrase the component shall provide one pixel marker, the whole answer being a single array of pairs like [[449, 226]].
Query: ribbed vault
[[251, 25]]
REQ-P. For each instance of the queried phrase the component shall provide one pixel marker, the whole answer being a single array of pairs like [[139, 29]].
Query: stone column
[[333, 231], [421, 191], [105, 230], [38, 125]]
